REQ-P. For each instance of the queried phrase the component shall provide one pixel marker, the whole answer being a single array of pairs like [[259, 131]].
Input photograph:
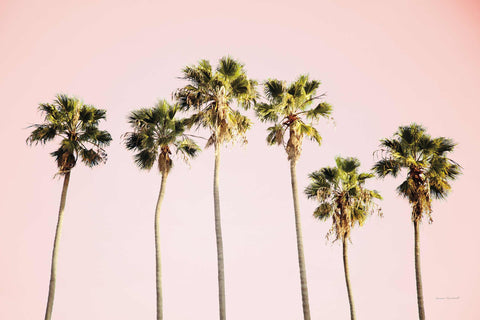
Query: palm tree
[[156, 133], [210, 95], [343, 197], [428, 173], [77, 126], [287, 107]]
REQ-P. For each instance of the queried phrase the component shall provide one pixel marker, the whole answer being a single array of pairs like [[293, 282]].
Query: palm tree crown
[[425, 159], [342, 196], [210, 94], [287, 108], [77, 124], [156, 133]]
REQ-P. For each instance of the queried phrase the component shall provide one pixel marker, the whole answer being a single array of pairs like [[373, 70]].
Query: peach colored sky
[[382, 64]]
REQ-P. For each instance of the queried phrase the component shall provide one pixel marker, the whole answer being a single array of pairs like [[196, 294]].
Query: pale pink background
[[382, 63]]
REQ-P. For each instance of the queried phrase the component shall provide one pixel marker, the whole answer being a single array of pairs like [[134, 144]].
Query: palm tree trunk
[[53, 271], [158, 266], [218, 233], [298, 229], [347, 279], [418, 273]]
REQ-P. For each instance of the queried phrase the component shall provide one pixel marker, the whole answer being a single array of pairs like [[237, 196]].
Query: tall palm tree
[[76, 124], [210, 95], [156, 133], [288, 108], [428, 172], [343, 197]]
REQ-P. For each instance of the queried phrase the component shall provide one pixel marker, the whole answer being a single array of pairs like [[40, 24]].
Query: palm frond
[[274, 89], [385, 167], [145, 158], [267, 112], [275, 134], [187, 148], [323, 109], [444, 145], [310, 132], [42, 134], [323, 211], [347, 165], [92, 157], [229, 68], [65, 103], [311, 86]]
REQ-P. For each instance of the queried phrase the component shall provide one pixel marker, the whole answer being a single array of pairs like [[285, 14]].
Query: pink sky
[[382, 64]]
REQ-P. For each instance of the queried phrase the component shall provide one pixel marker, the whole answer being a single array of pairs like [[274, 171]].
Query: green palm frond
[[347, 165], [92, 157], [385, 167], [198, 75], [394, 146], [323, 211], [240, 123], [330, 174], [275, 134], [309, 131], [320, 187], [364, 176], [444, 145], [274, 90], [267, 112], [322, 110], [229, 68], [91, 134], [145, 158], [240, 85], [297, 88], [405, 188], [42, 133], [411, 134], [311, 86], [187, 148], [67, 104], [90, 115]]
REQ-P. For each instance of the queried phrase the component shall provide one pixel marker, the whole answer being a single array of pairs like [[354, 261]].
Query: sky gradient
[[382, 64]]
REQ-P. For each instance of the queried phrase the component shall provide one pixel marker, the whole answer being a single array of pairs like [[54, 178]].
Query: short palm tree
[[76, 124], [288, 108], [210, 95], [156, 134], [343, 197], [428, 173]]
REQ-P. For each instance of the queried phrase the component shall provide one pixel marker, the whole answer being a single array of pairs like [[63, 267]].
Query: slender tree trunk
[[418, 272], [298, 229], [53, 271], [218, 233], [158, 266], [347, 279]]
